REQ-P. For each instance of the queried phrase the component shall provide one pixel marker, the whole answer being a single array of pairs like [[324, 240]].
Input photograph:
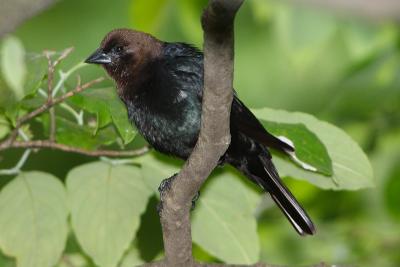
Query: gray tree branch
[[214, 136], [14, 12]]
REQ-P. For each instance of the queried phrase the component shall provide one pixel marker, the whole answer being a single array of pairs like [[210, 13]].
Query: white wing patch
[[181, 96]]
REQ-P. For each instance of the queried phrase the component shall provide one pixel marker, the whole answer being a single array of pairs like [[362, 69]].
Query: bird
[[161, 85]]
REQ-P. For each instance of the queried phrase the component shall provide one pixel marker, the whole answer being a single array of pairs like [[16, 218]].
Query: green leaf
[[105, 103], [33, 219], [309, 148], [73, 260], [120, 118], [11, 113], [72, 134], [223, 222], [391, 193], [13, 65], [4, 127], [132, 258], [7, 99], [6, 262], [32, 102], [37, 67], [155, 168], [351, 167], [106, 202]]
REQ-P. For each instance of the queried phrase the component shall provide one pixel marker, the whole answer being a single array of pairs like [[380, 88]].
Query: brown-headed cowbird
[[161, 85]]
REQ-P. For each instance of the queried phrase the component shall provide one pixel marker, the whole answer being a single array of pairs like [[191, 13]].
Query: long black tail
[[264, 173]]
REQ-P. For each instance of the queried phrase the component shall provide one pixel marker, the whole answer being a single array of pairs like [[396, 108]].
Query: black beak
[[98, 57]]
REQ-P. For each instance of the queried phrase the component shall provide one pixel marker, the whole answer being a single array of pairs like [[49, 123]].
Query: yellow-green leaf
[[106, 203], [33, 219], [13, 65]]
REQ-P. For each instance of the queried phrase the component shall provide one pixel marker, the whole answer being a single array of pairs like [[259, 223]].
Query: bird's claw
[[164, 187], [195, 198], [165, 184]]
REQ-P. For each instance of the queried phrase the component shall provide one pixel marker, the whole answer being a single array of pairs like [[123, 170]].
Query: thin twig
[[50, 77], [65, 53], [58, 100], [50, 93], [93, 153], [52, 134], [65, 75], [17, 168], [46, 106], [78, 116]]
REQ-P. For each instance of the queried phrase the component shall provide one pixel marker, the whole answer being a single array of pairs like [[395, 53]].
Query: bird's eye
[[118, 49]]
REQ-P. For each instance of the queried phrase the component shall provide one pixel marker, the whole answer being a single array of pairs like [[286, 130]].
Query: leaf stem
[[17, 168], [78, 116], [117, 161], [65, 75]]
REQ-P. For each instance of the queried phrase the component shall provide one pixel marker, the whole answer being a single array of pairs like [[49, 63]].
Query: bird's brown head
[[124, 53]]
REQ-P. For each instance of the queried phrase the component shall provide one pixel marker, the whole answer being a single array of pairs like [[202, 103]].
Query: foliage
[[339, 69]]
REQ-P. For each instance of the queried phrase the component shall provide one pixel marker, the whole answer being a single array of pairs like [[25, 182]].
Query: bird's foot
[[221, 161], [195, 198], [164, 187]]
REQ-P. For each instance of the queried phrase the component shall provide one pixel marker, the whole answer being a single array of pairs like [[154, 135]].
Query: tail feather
[[271, 182]]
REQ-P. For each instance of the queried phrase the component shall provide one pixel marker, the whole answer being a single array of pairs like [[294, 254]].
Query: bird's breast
[[173, 129]]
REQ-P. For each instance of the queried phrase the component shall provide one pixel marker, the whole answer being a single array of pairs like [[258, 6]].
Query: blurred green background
[[342, 69]]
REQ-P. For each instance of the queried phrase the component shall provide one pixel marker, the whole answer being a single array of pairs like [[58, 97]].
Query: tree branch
[[93, 153], [214, 136], [45, 107], [50, 76], [14, 12]]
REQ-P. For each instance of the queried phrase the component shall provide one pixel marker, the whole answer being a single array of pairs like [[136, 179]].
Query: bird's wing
[[245, 121]]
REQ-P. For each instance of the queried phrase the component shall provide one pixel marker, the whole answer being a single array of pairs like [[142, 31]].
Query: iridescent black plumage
[[161, 85]]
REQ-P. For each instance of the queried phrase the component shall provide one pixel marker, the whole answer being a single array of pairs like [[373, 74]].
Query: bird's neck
[[135, 82]]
